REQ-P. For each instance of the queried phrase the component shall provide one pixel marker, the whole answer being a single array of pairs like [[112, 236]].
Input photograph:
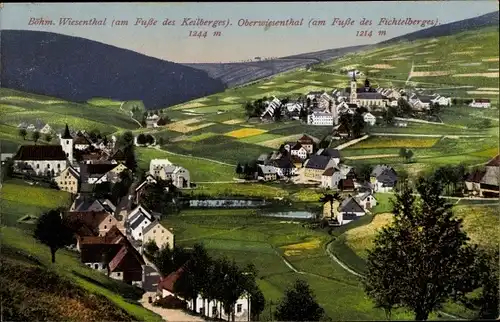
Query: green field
[[248, 237]]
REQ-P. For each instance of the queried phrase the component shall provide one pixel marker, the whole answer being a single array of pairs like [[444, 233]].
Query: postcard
[[249, 161]]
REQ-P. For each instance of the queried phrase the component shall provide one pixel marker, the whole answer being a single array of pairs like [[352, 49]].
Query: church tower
[[66, 141], [354, 88]]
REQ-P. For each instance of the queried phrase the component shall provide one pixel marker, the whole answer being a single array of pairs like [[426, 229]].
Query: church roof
[[66, 134]]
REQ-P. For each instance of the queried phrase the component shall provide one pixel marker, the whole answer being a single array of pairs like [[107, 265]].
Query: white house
[[383, 178], [293, 107], [152, 121], [314, 94], [165, 170], [299, 151], [481, 103], [272, 106], [320, 118], [369, 118], [330, 178], [349, 210], [40, 159], [137, 220], [441, 100], [242, 307], [366, 200]]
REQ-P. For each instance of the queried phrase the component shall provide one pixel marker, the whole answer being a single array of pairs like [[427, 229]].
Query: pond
[[226, 203], [291, 214]]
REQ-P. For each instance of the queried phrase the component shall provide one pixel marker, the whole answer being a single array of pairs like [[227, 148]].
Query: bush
[[170, 302]]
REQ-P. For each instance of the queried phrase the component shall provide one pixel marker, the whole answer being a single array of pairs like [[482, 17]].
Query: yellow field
[[489, 75], [381, 66], [490, 59], [243, 133], [296, 249], [463, 53], [183, 126], [360, 239], [275, 143], [189, 105], [233, 121], [483, 92], [433, 73], [387, 142]]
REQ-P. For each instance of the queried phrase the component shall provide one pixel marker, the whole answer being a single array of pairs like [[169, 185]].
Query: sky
[[236, 43]]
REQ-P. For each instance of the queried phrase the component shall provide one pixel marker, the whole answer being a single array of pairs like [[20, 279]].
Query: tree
[[150, 139], [434, 108], [141, 139], [23, 133], [488, 280], [404, 108], [357, 125], [169, 260], [121, 187], [390, 114], [233, 284], [35, 136], [127, 139], [308, 102], [51, 231], [363, 172], [130, 160], [257, 298], [239, 169], [299, 304], [345, 121], [402, 153], [191, 281], [408, 155], [48, 137], [422, 259], [161, 141], [102, 190]]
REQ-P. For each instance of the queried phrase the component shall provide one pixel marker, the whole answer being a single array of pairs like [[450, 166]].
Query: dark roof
[[388, 178], [370, 95], [119, 155], [329, 172], [40, 152], [283, 163], [350, 205], [122, 260], [95, 253], [306, 139], [66, 134], [297, 146], [91, 219], [475, 176], [100, 168], [331, 152], [481, 100], [81, 139], [346, 184], [495, 162], [317, 162]]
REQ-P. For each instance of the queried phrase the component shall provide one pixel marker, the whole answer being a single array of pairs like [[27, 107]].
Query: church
[[366, 96], [45, 160]]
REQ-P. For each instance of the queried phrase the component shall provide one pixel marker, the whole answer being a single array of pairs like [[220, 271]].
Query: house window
[[105, 226], [109, 219], [48, 166], [67, 141], [58, 165], [38, 166], [214, 311], [140, 234], [239, 308], [118, 274], [154, 231], [96, 266]]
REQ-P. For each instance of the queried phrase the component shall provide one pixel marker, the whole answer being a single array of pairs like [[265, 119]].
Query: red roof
[[329, 172], [305, 139], [168, 282], [481, 100], [495, 162]]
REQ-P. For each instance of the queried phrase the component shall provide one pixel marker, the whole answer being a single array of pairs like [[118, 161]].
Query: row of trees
[[116, 191], [214, 279], [147, 139], [162, 197], [247, 170], [353, 124], [424, 259], [126, 143], [35, 135]]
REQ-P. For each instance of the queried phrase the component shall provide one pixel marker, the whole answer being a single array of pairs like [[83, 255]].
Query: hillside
[[79, 69], [234, 74], [487, 20], [66, 290]]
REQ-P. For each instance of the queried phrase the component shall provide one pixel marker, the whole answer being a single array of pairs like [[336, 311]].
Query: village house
[[165, 170], [214, 309], [149, 179], [298, 150], [156, 232], [420, 102], [96, 173], [490, 182], [83, 203], [383, 178], [480, 103], [271, 109], [369, 118], [113, 254], [366, 200], [81, 142], [137, 220], [350, 210], [314, 95], [347, 184], [367, 96], [330, 152], [42, 160], [308, 143], [473, 182], [347, 108], [68, 180], [284, 166], [320, 119], [99, 221], [441, 100], [152, 121], [266, 172], [333, 177], [316, 165]]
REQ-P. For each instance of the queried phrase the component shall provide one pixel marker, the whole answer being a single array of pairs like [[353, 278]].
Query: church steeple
[[354, 89], [66, 134]]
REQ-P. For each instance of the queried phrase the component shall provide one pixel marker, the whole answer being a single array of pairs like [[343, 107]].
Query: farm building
[[480, 103]]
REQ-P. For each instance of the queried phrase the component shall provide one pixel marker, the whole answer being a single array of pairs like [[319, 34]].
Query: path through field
[[131, 114], [371, 156], [193, 157], [411, 72], [345, 267], [433, 135]]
